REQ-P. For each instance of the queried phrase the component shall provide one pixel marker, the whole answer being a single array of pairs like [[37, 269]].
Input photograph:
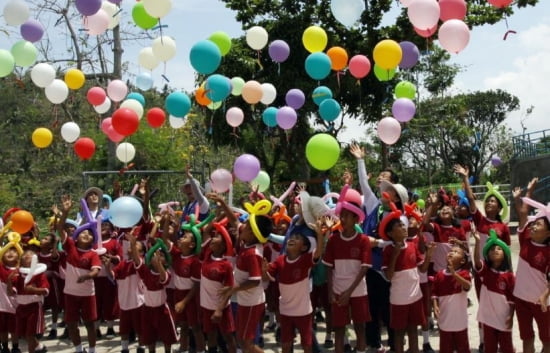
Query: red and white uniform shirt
[[155, 292], [483, 224], [79, 262], [405, 283], [130, 287], [216, 273], [495, 297], [8, 303], [453, 300], [442, 234], [186, 270], [113, 248], [249, 267]]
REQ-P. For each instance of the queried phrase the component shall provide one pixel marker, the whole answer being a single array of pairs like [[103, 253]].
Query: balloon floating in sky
[[322, 151], [347, 12]]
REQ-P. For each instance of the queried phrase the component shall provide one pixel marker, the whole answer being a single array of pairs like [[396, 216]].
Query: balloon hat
[[462, 199], [222, 230], [394, 214], [350, 200], [36, 268], [14, 240], [167, 207], [90, 224], [494, 240], [542, 210], [493, 191], [194, 227], [410, 211], [260, 208], [281, 215], [278, 201], [159, 245]]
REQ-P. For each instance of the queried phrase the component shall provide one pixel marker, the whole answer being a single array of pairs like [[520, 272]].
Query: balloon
[[295, 98], [175, 122], [125, 152], [157, 8], [452, 9], [103, 107], [252, 92], [178, 104], [74, 78], [125, 211], [84, 148], [97, 23], [261, 181], [269, 116], [32, 30], [423, 14], [279, 51], [286, 117], [426, 33], [256, 37], [70, 131], [214, 105], [112, 12], [314, 39], [329, 109], [144, 81], [359, 66], [21, 221], [403, 109], [106, 124], [96, 95], [147, 59], [338, 58], [201, 98], [420, 203], [237, 84], [117, 90], [220, 180], [217, 87], [383, 74], [16, 12], [7, 63], [88, 7], [322, 151], [405, 3], [318, 65], [134, 105], [496, 161], [57, 91], [234, 116], [156, 117], [453, 35], [269, 93], [387, 54], [205, 57], [222, 41], [320, 94], [137, 96], [410, 54], [42, 137], [347, 12], [405, 89], [141, 18], [500, 3], [125, 121], [246, 167], [389, 130], [164, 48], [24, 53]]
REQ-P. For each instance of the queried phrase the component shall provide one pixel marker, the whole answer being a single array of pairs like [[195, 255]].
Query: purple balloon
[[295, 98], [279, 51], [88, 7], [403, 109], [246, 167], [286, 118], [410, 55], [32, 30], [496, 161]]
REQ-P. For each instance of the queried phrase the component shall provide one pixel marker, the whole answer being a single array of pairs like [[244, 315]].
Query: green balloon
[[261, 182], [24, 53], [405, 89], [420, 203], [141, 18], [7, 63], [222, 40], [322, 151], [383, 74], [237, 85]]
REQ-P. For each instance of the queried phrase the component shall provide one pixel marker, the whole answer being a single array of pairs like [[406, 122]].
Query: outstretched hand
[[357, 151], [462, 171]]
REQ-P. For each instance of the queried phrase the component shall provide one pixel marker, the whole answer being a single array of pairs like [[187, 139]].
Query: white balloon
[[57, 91], [257, 37], [269, 93], [157, 8], [97, 23], [70, 131], [423, 14], [147, 58], [134, 105], [125, 152], [16, 12], [103, 107], [42, 75], [347, 12], [164, 48], [111, 9], [117, 90], [176, 122]]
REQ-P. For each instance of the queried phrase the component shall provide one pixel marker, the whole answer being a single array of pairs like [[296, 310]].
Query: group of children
[[212, 275]]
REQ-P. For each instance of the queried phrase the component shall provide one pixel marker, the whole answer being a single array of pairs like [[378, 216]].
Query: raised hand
[[516, 192], [357, 151], [460, 170]]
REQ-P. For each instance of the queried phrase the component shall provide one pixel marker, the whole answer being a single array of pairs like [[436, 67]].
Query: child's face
[[85, 239], [296, 245], [217, 244], [46, 243], [446, 213], [139, 247], [26, 259], [348, 219], [496, 254], [398, 233], [538, 231], [246, 235], [456, 257], [281, 228], [186, 243], [10, 258], [106, 229], [69, 229], [492, 205], [463, 211]]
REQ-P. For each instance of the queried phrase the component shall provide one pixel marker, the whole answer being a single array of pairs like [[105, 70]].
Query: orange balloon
[[338, 58], [22, 221], [200, 96]]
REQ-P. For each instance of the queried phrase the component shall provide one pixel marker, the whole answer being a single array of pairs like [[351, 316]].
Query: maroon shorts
[[403, 316], [357, 309], [157, 324], [526, 313], [248, 319], [7, 322], [304, 325], [106, 299], [226, 324], [496, 340], [190, 313], [454, 341], [130, 320], [425, 288], [77, 307], [30, 320]]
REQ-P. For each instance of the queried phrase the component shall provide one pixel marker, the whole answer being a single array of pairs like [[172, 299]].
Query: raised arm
[[66, 205], [522, 209], [369, 198], [225, 208], [431, 211], [463, 172], [204, 206], [477, 257]]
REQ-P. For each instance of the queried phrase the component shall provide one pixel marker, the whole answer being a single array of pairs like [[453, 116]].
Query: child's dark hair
[[305, 239], [265, 225], [466, 253], [505, 266], [391, 224], [394, 178]]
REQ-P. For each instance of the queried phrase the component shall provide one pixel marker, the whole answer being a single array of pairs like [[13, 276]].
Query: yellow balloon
[[387, 54], [314, 39], [74, 78], [42, 137]]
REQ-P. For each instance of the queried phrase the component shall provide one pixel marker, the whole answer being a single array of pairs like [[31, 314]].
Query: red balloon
[[84, 147], [452, 10], [500, 3], [426, 33], [156, 117], [96, 95], [125, 121]]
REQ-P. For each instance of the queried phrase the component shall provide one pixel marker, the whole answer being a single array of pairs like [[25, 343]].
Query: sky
[[520, 64]]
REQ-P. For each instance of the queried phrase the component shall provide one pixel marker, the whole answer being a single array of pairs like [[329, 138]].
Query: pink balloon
[[97, 23], [423, 14], [389, 130], [117, 90], [359, 66], [113, 135], [426, 33], [234, 116], [106, 124], [96, 95], [452, 9], [220, 180], [454, 35]]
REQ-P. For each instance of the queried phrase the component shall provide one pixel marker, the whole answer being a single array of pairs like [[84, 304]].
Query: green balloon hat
[[494, 240]]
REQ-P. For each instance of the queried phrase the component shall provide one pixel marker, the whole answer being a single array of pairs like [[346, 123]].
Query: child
[[9, 255], [29, 294], [49, 256], [450, 302], [496, 305]]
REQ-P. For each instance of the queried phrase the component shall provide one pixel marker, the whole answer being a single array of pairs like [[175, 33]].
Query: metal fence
[[531, 144]]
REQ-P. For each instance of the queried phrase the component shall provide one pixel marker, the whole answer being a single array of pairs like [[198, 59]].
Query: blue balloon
[[125, 212], [178, 104], [205, 57], [329, 109], [269, 116], [137, 96], [320, 94], [144, 81], [318, 65], [218, 87]]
